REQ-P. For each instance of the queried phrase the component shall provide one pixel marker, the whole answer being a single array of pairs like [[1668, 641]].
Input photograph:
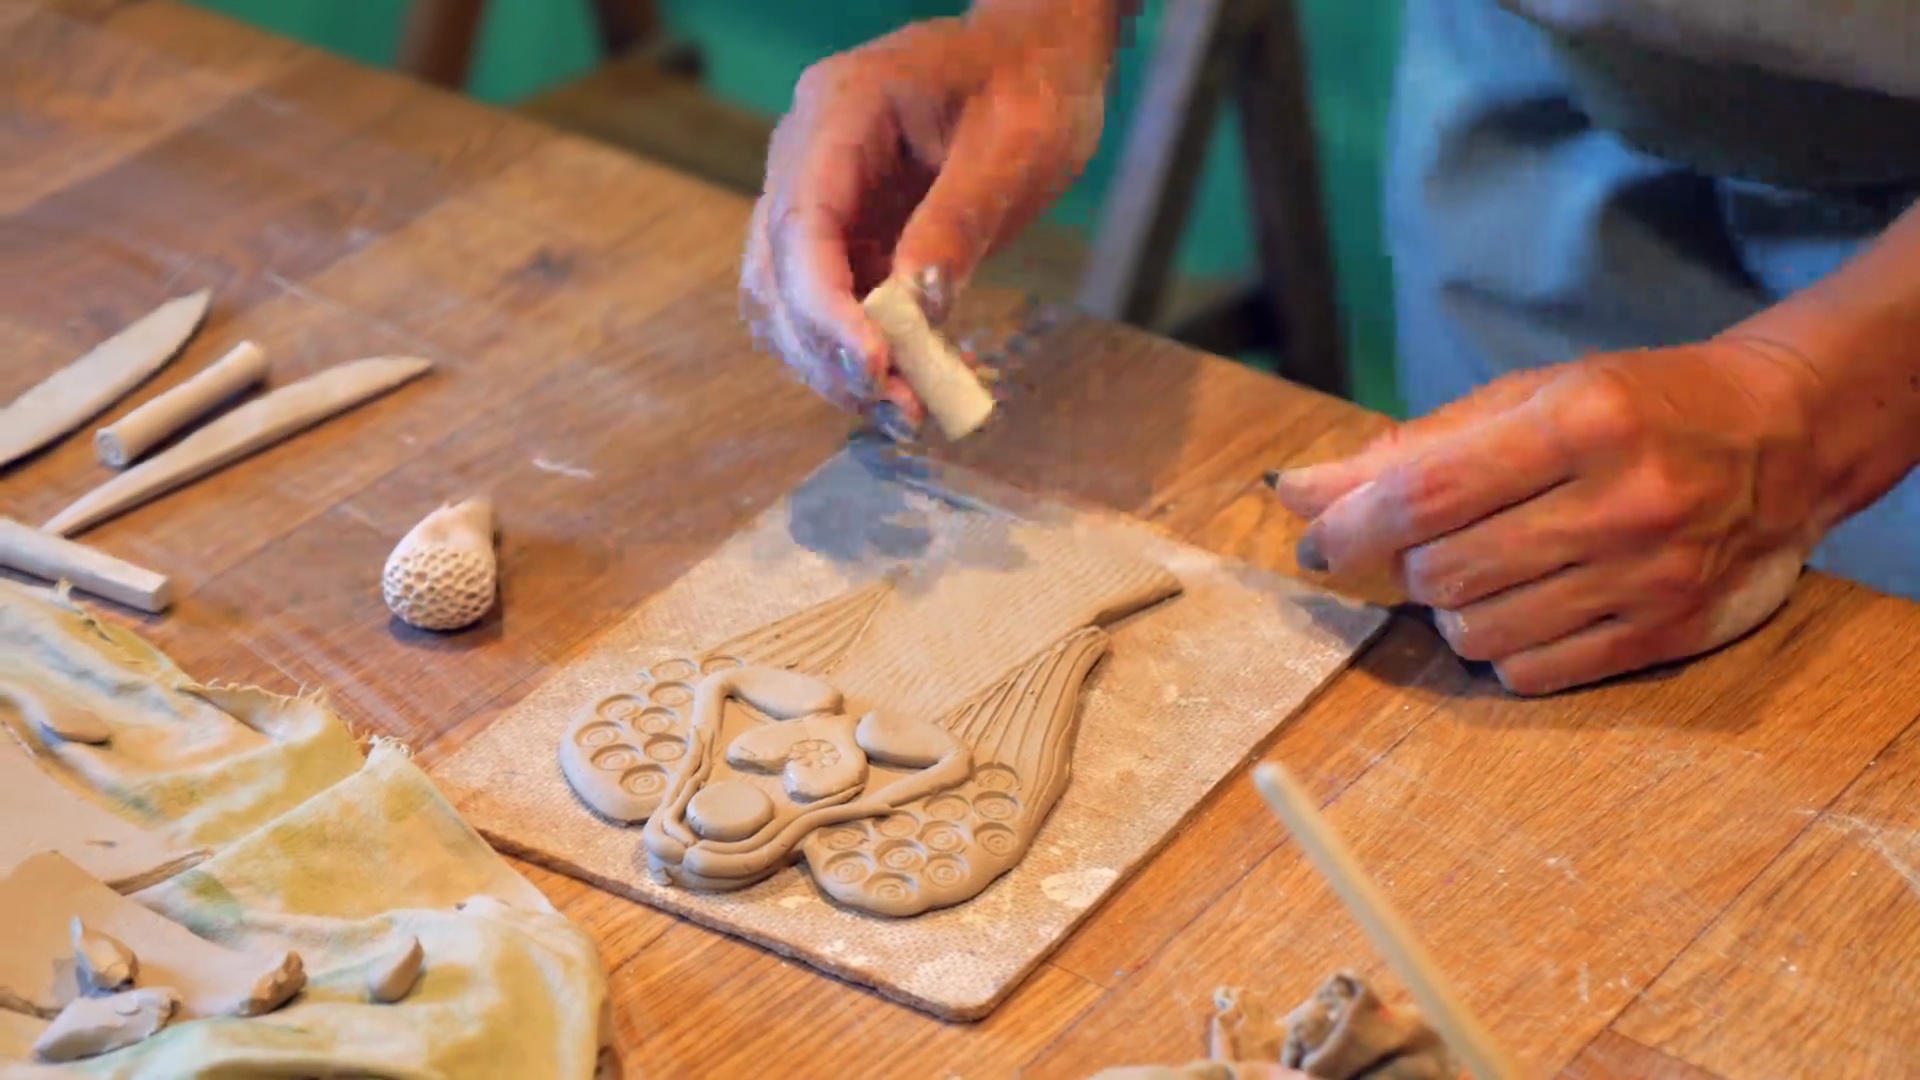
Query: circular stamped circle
[[891, 889], [947, 808], [729, 810], [719, 663], [943, 836], [598, 734], [997, 840], [994, 806], [653, 720], [996, 778], [646, 781], [619, 708], [848, 867], [666, 748], [897, 826], [842, 839], [616, 758], [671, 694], [902, 855], [946, 871], [673, 670]]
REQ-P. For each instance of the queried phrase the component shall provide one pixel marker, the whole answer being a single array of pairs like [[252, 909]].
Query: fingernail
[[1307, 553], [1297, 478], [936, 295], [892, 422], [854, 369]]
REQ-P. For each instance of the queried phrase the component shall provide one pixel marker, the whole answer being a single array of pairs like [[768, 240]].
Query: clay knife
[[83, 389]]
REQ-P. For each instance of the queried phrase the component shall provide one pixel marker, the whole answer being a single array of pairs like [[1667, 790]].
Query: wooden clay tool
[[54, 558], [1383, 924], [83, 388], [252, 427], [122, 443], [937, 372]]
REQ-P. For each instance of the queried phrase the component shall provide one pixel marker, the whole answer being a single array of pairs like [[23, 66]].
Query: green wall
[[755, 49]]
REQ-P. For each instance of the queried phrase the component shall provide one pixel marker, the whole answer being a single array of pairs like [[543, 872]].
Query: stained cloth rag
[[310, 846]]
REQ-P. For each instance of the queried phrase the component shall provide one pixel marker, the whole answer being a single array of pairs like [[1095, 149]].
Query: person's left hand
[[1582, 521]]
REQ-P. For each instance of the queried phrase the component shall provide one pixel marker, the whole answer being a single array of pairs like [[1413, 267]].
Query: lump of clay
[[393, 976], [101, 963], [816, 756], [90, 1026], [275, 986], [443, 574], [75, 726], [1345, 1032], [42, 897]]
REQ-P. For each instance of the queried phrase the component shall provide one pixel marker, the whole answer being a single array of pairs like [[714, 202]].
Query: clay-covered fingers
[[1608, 648], [1592, 621], [1532, 615], [775, 332], [1502, 462], [1308, 490], [1559, 528]]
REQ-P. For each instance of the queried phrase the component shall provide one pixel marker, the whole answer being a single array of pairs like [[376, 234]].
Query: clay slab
[[43, 895], [1188, 692]]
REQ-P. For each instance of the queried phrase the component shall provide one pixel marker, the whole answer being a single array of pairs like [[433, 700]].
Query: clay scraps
[[1343, 1032], [47, 894]]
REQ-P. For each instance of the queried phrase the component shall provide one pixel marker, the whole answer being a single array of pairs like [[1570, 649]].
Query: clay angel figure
[[905, 739]]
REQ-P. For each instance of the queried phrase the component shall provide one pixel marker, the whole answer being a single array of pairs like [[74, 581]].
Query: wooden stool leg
[[625, 24], [437, 45], [1272, 89], [1145, 208], [1207, 47]]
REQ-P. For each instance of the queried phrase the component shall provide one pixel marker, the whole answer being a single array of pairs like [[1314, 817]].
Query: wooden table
[[1709, 871]]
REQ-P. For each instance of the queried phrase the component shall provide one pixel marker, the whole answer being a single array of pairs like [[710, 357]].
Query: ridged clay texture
[[443, 574], [906, 739]]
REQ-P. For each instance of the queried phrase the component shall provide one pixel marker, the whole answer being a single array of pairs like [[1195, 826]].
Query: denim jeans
[[1522, 235]]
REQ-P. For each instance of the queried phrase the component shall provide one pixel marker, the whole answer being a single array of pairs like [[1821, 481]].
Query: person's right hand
[[916, 154]]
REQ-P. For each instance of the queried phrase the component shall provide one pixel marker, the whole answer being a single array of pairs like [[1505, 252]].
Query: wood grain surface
[[1712, 870]]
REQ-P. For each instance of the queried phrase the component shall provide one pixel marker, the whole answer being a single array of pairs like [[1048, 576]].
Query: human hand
[[1582, 521], [916, 154]]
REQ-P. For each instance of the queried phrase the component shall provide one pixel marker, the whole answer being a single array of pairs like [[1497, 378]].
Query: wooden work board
[[1191, 690]]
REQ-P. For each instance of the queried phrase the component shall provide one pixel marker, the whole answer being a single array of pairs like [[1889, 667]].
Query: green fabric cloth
[[199, 764], [315, 849]]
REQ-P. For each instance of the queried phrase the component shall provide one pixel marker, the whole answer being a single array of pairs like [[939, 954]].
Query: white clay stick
[[937, 372], [55, 558], [1383, 924], [252, 427], [121, 443]]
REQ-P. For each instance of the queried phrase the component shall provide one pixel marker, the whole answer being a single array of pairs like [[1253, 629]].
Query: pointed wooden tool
[[254, 426], [80, 391], [1383, 924]]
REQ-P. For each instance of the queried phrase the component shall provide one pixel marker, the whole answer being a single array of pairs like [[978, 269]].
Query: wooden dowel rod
[[56, 558], [122, 443], [1383, 924]]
